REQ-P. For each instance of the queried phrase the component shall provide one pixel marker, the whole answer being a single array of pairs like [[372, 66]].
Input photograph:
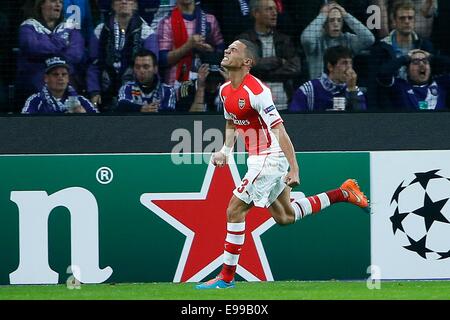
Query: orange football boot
[[354, 194]]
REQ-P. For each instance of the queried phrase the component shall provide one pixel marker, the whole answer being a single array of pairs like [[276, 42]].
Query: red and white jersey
[[254, 114]]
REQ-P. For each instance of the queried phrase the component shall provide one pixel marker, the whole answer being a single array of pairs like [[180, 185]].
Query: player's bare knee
[[234, 214], [284, 220], [284, 217]]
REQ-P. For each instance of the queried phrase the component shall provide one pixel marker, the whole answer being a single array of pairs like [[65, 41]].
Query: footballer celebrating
[[272, 166]]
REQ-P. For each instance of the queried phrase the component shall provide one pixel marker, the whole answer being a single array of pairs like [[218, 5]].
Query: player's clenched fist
[[292, 179], [219, 159]]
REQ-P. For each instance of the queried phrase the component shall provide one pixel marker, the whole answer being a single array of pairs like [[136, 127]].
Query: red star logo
[[201, 217]]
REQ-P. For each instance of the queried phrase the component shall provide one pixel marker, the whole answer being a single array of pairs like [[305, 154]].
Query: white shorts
[[264, 180]]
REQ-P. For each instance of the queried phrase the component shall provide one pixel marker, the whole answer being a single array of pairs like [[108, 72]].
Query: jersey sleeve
[[125, 100], [263, 104], [226, 115], [32, 105], [125, 93], [169, 100], [87, 105], [300, 99]]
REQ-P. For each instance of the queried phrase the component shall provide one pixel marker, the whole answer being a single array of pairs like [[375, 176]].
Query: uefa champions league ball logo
[[421, 215]]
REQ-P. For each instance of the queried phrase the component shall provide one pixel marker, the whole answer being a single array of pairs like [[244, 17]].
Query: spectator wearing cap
[[146, 93], [42, 36], [57, 96], [420, 90]]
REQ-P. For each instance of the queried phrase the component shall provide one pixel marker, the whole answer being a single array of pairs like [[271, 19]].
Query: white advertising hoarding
[[410, 222]]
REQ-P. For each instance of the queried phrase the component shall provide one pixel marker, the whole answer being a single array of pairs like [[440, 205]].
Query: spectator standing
[[425, 12], [326, 30], [41, 36], [233, 15], [280, 64], [304, 12], [146, 93], [57, 96], [153, 11], [112, 49], [398, 43], [339, 80], [184, 36]]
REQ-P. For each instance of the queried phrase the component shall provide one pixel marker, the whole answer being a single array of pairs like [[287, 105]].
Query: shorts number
[[243, 185]]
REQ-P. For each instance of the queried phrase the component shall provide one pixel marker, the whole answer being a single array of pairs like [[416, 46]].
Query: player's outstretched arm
[[292, 178], [219, 159]]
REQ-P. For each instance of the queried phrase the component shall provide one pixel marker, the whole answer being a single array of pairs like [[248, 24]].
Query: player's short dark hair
[[334, 54], [146, 53], [251, 50]]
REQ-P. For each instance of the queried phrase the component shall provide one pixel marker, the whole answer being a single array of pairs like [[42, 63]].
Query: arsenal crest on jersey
[[241, 103]]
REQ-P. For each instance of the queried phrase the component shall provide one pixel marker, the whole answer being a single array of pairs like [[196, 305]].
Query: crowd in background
[[123, 56]]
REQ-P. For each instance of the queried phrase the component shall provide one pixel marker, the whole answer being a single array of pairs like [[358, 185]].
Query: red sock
[[227, 273], [336, 195], [310, 205]]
